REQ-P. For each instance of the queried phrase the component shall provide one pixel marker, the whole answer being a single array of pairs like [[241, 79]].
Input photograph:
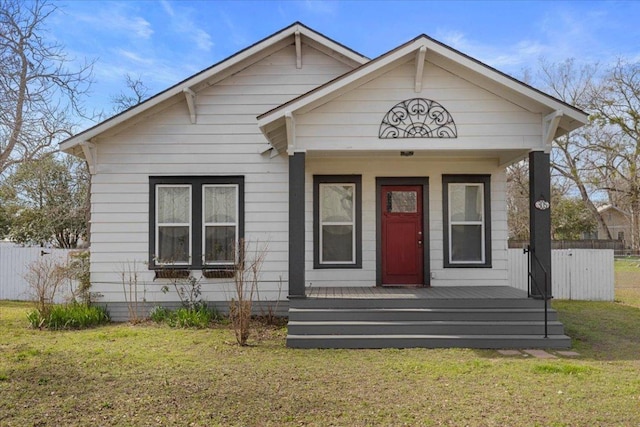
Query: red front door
[[402, 235]]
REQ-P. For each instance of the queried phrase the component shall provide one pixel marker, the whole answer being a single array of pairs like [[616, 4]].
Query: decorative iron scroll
[[418, 118]]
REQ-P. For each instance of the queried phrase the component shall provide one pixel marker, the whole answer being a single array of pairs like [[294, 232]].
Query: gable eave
[[247, 55], [605, 208], [572, 117], [336, 86]]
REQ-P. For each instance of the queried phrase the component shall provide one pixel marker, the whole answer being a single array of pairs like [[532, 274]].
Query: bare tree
[[617, 111], [518, 200], [39, 94], [569, 218], [573, 158], [136, 92]]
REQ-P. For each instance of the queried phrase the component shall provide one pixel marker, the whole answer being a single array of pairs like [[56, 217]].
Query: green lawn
[[153, 375], [627, 271]]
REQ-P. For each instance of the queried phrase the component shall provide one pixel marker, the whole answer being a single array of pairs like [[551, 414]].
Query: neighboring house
[[362, 177], [618, 222]]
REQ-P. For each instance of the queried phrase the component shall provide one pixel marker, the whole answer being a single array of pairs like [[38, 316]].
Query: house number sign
[[542, 205]]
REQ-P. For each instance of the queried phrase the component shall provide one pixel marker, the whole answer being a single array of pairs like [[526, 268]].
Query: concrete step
[[428, 341], [409, 314], [423, 327]]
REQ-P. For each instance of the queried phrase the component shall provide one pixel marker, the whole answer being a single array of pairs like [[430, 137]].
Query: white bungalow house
[[376, 186]]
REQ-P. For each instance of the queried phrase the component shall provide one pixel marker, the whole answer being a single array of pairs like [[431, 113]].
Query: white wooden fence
[[578, 274], [14, 264]]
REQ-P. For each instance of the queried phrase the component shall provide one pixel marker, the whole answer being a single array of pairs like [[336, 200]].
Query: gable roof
[[220, 70], [605, 208], [505, 86]]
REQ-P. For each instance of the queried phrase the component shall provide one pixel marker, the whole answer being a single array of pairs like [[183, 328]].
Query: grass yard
[[627, 271], [153, 375]]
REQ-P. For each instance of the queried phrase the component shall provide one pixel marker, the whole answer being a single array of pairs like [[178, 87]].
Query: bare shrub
[[45, 277], [77, 272], [269, 312], [247, 275], [129, 278], [189, 290]]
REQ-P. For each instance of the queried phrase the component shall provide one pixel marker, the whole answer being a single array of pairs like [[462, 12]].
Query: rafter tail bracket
[[191, 104], [549, 127], [298, 50], [420, 55]]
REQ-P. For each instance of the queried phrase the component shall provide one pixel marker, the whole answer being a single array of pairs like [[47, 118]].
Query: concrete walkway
[[539, 354]]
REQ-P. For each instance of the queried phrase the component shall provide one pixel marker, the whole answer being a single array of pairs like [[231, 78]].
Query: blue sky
[[167, 41]]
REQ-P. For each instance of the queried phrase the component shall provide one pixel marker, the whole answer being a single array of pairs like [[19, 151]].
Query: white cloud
[[320, 6], [454, 39], [203, 40], [561, 31], [509, 58], [127, 54], [140, 26], [235, 34], [115, 20], [167, 8], [182, 22]]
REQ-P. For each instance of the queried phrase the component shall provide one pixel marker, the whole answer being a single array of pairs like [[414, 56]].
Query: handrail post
[[527, 250], [546, 306], [533, 282]]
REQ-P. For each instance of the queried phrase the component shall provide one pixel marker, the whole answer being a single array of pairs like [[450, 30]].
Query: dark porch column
[[540, 220], [296, 225]]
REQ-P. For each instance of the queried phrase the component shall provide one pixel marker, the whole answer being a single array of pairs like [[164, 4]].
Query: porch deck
[[449, 292]]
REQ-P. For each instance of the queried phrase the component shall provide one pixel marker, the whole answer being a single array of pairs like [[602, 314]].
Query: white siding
[[578, 274], [484, 121], [370, 168], [224, 141]]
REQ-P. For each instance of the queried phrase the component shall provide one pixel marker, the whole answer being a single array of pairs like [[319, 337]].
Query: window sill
[[467, 266], [336, 266], [219, 274], [172, 274]]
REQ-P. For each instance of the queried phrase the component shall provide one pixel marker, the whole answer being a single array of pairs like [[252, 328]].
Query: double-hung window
[[467, 231], [173, 223], [195, 222], [220, 223], [337, 221]]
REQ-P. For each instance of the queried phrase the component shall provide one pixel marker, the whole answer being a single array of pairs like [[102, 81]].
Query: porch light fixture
[[406, 153]]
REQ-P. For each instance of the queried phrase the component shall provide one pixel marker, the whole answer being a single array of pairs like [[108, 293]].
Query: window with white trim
[[337, 221], [220, 228], [467, 220], [195, 222], [173, 224]]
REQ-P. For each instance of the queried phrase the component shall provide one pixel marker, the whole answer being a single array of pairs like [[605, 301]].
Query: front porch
[[418, 293], [427, 317]]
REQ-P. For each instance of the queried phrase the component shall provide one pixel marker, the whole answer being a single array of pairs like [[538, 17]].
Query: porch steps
[[420, 314], [449, 327], [427, 341], [401, 322]]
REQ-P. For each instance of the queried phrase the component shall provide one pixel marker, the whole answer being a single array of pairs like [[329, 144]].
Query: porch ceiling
[[502, 157]]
